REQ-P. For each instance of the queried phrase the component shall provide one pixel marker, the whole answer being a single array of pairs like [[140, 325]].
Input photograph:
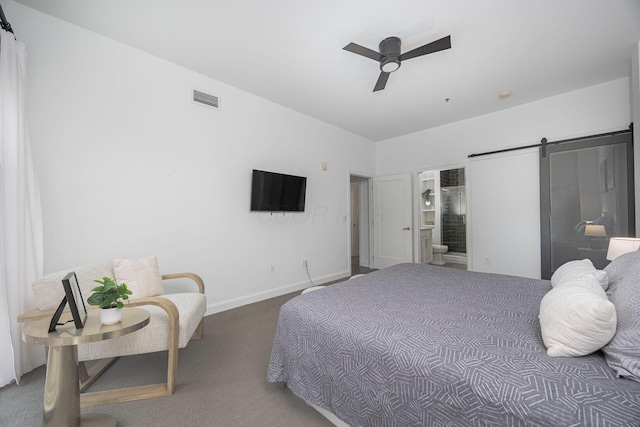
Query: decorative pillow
[[623, 352], [619, 268], [49, 291], [576, 318], [574, 269], [142, 276]]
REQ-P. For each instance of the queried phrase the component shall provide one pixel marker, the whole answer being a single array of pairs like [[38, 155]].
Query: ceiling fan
[[390, 57]]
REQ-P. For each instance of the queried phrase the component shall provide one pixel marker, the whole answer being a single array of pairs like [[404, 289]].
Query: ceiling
[[290, 51]]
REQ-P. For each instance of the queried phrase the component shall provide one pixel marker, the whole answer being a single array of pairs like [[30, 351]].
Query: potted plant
[[109, 298], [425, 196]]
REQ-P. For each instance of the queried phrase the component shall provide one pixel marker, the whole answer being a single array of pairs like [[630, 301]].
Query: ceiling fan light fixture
[[389, 65], [390, 51]]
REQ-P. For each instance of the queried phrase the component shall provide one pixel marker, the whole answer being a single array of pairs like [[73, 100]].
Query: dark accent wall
[[454, 233], [454, 229], [452, 178]]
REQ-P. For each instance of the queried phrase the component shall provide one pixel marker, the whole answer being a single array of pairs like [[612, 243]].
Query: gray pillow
[[623, 351], [619, 267]]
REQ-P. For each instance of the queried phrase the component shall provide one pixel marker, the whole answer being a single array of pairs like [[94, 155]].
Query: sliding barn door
[[586, 197]]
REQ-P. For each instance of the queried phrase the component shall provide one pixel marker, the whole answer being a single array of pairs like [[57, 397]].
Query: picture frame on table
[[73, 297]]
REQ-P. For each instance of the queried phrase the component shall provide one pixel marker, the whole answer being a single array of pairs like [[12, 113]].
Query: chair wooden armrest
[[147, 391], [37, 314], [198, 280]]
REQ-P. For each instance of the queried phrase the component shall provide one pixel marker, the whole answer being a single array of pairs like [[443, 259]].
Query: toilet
[[438, 251]]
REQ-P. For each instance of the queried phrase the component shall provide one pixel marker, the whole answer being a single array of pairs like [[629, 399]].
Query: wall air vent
[[206, 99]]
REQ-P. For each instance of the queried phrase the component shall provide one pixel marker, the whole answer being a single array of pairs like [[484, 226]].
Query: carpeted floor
[[221, 381]]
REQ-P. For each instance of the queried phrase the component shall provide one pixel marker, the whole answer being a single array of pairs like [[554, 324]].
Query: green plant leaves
[[110, 294]]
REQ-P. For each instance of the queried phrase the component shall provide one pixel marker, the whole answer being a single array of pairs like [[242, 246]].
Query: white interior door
[[393, 239], [355, 219]]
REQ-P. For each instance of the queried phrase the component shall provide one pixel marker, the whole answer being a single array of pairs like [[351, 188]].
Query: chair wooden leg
[[88, 376], [198, 332], [128, 394], [147, 391], [172, 368]]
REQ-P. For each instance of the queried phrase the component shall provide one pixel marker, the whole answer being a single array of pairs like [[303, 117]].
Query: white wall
[[513, 198], [504, 193], [129, 167]]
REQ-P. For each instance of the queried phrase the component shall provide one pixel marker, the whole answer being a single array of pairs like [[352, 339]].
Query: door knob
[[407, 228]]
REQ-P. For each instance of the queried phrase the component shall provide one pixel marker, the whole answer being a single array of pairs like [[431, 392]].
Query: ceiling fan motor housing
[[390, 51]]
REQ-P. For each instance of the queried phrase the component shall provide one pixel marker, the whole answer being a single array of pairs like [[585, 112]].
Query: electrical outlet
[[304, 263], [272, 268]]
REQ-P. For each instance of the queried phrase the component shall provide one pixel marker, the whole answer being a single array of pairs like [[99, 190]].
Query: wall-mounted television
[[276, 192]]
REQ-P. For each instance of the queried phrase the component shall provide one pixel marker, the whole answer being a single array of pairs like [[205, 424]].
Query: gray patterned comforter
[[416, 344]]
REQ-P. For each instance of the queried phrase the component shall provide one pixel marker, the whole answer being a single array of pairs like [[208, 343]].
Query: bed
[[416, 344]]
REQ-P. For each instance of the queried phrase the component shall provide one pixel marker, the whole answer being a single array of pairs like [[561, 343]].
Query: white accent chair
[[175, 319]]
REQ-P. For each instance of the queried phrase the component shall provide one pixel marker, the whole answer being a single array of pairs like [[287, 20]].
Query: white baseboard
[[272, 293]]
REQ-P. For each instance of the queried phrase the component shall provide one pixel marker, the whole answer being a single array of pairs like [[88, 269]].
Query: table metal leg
[[62, 390]]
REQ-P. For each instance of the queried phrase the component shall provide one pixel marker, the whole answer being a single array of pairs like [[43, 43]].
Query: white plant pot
[[109, 316]]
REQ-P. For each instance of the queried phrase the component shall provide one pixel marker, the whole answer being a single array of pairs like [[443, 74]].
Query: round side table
[[62, 389]]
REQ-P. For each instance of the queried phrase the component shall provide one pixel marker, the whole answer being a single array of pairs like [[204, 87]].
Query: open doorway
[[443, 217], [359, 233]]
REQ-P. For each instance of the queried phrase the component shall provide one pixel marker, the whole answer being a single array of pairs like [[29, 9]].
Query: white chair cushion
[[576, 318], [155, 336], [142, 276], [48, 291]]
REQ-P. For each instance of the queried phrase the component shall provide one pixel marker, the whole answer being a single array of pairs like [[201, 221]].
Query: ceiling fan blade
[[382, 81], [361, 50], [436, 46]]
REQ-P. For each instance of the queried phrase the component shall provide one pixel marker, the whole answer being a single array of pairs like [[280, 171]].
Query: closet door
[[586, 197]]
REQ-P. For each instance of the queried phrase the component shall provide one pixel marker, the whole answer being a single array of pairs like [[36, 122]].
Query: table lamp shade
[[622, 245], [595, 230]]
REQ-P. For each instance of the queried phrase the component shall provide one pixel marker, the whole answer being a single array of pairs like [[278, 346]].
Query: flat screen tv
[[276, 192]]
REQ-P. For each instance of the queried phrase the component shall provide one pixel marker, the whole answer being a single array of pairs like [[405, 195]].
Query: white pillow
[[574, 269], [576, 318], [142, 276]]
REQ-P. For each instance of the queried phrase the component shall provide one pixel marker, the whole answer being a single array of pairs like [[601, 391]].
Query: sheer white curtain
[[20, 215]]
